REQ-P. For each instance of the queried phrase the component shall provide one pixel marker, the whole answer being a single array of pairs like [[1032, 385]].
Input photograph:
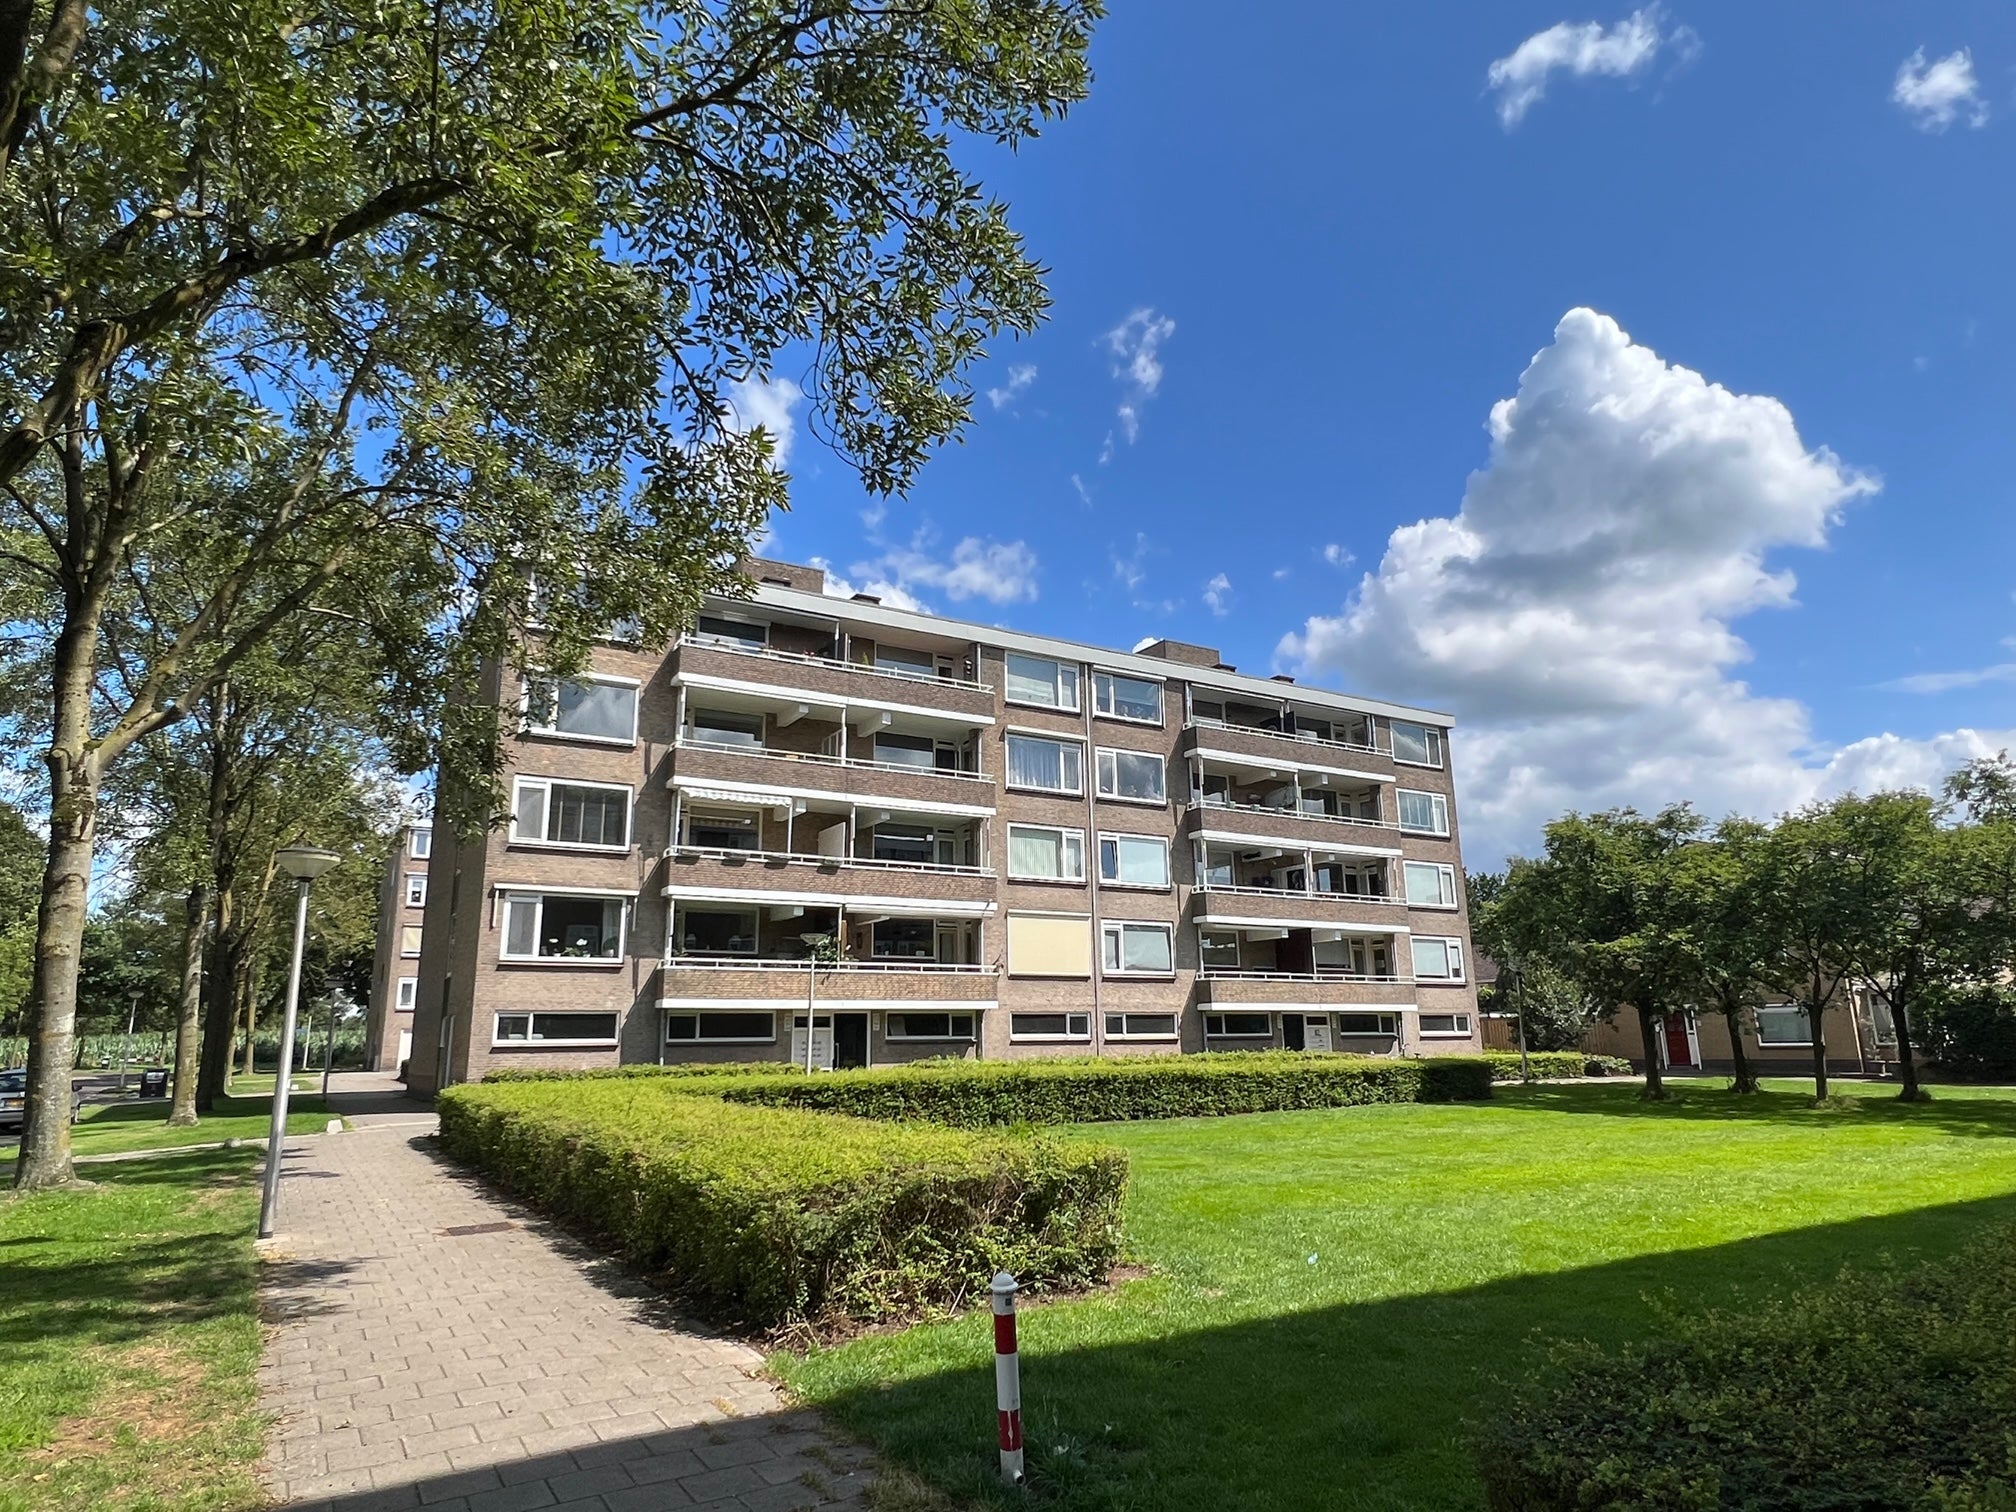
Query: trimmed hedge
[[644, 1072], [770, 1216], [973, 1094], [1555, 1064], [1881, 1390]]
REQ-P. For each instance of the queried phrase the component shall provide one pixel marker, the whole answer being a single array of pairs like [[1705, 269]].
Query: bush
[[1972, 1038], [769, 1216], [1884, 1390], [1555, 1063], [645, 1072], [970, 1094]]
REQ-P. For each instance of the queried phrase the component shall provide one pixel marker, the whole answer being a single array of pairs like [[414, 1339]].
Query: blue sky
[[1744, 536]]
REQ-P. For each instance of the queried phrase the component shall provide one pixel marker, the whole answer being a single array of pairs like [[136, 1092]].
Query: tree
[[1553, 1010], [1711, 905], [369, 306], [1813, 902]]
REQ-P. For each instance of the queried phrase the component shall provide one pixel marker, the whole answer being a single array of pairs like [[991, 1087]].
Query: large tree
[[1815, 903], [1723, 947], [450, 297]]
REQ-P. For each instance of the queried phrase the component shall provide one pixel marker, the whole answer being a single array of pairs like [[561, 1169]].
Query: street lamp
[[304, 863], [126, 1045], [816, 946]]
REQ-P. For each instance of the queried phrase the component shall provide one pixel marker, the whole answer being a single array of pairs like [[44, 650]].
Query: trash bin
[[154, 1083]]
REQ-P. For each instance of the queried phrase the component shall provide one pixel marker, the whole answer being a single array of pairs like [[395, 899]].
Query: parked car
[[14, 1100]]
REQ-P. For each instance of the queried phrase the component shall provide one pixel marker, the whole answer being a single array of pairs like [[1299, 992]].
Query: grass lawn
[[1333, 1294], [128, 1340], [107, 1128]]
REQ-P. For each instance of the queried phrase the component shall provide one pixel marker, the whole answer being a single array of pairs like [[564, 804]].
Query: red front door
[[1678, 1052]]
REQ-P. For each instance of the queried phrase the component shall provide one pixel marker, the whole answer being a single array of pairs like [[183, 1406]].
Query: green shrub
[[1555, 1063], [972, 1094], [768, 1216], [1882, 1390], [644, 1072]]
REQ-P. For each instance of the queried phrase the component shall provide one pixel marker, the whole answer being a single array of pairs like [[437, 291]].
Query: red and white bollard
[[1007, 1377]]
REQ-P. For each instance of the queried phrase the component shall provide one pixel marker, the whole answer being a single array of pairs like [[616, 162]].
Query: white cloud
[[1337, 556], [1576, 614], [1130, 570], [1946, 682], [1282, 574], [1001, 572], [892, 594], [1585, 50], [1937, 94], [1020, 376], [1084, 493], [768, 403], [1136, 348], [1218, 595], [874, 515]]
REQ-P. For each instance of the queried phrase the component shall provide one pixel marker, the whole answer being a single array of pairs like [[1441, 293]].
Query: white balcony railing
[[1245, 891], [1218, 801], [846, 863], [819, 758], [1205, 722], [1242, 974], [769, 963], [812, 659]]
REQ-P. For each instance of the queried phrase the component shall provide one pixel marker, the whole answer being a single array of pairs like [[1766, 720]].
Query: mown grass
[[129, 1337], [113, 1128], [1333, 1295]]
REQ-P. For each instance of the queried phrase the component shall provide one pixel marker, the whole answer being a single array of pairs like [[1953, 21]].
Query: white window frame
[[1107, 761], [420, 842], [1102, 699], [954, 1038], [1008, 764], [416, 889], [1174, 1031], [717, 905], [1266, 1020], [1453, 946], [665, 1029], [519, 784], [1064, 848], [542, 1044], [624, 902], [1057, 682], [1067, 1038], [1432, 737], [1439, 802], [1118, 928], [1782, 1044], [1116, 837], [405, 994], [1463, 1033], [550, 732], [1445, 876], [1383, 1015], [404, 931]]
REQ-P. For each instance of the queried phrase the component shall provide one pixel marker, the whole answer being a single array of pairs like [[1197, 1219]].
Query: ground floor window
[[1239, 1025], [931, 1026], [1783, 1024], [721, 1028], [1050, 1026], [1386, 1023], [1445, 1023], [555, 1029], [1140, 1026]]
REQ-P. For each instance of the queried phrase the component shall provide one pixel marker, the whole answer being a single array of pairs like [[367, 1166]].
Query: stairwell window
[[1424, 813], [583, 815], [1132, 777], [420, 844], [601, 709], [1417, 744], [408, 994], [1039, 681], [1046, 766], [416, 889], [1041, 853]]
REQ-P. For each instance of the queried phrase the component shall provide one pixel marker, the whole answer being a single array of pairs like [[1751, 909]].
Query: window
[[1137, 949], [1369, 1023], [721, 830], [407, 995], [1046, 766], [905, 750], [1431, 885], [555, 1029], [1434, 1025], [1424, 813], [1134, 860], [1437, 959], [736, 635], [1238, 1026], [585, 709], [717, 931], [721, 1028], [930, 1026], [1218, 947], [1783, 1024], [562, 927], [1132, 776], [902, 661], [416, 889], [1037, 680], [420, 844], [722, 727], [1141, 1026], [1135, 698], [409, 940], [1038, 853], [908, 843], [1049, 945], [1417, 745], [588, 814], [1050, 1026], [904, 939]]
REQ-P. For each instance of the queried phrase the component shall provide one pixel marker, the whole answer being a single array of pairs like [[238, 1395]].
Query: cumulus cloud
[[1001, 572], [1577, 612], [1582, 50], [767, 403], [1946, 682], [1020, 376], [1337, 556], [1218, 595], [1135, 346], [892, 594], [1935, 95]]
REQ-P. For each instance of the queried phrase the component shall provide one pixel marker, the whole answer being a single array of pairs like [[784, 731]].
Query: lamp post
[[815, 951], [1519, 982], [126, 1045], [304, 863]]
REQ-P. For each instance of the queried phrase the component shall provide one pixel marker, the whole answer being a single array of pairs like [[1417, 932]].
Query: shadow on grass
[[1951, 1110], [1362, 1405]]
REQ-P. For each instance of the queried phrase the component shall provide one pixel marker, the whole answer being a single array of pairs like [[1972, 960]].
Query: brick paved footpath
[[435, 1347]]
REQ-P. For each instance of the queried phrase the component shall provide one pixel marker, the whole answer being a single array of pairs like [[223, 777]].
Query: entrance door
[[850, 1041], [822, 1042], [1679, 1042], [1317, 1032], [1291, 1032], [405, 1050]]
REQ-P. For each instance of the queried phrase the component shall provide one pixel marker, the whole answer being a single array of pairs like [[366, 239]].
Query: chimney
[[784, 574], [1183, 651]]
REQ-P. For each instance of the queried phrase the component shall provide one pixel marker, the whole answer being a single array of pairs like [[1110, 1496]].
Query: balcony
[[1221, 987], [750, 979], [1285, 745], [713, 663], [1237, 907], [1258, 821], [856, 779], [697, 869]]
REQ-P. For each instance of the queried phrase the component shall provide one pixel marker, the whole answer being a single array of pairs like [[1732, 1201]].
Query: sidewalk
[[437, 1347]]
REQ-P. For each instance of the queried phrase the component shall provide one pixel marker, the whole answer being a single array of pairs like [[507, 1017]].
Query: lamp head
[[304, 863]]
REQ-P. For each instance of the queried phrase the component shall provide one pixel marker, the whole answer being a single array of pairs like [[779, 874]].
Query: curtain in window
[[1040, 763], [1035, 853]]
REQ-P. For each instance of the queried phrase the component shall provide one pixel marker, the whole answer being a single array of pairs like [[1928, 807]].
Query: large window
[[930, 1026], [909, 843], [1135, 698], [725, 727], [1046, 766], [904, 939], [1132, 776], [1783, 1024], [1430, 884], [563, 927], [1368, 1023], [722, 829], [1437, 959], [721, 1028], [1039, 853], [555, 1029], [1218, 947], [1424, 813], [717, 931], [738, 635], [1050, 1026], [1137, 949], [593, 815], [1418, 745], [1134, 860], [1445, 1025], [590, 708], [892, 749], [1140, 1026], [1040, 681], [902, 661], [1239, 1025]]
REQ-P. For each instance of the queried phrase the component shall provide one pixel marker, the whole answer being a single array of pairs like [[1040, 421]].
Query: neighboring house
[[395, 969], [1861, 1038], [1021, 845]]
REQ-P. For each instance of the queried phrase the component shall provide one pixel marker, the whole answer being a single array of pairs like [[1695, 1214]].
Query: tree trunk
[[248, 1004], [220, 1008], [1816, 1026], [1907, 1062], [1739, 1054], [1655, 1079], [188, 1026]]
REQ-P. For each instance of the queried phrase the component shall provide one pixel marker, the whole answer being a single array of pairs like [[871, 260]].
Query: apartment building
[[395, 967], [840, 833]]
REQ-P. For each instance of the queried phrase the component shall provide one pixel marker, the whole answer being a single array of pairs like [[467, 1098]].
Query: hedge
[[1881, 1390], [972, 1094], [766, 1216], [1555, 1064], [646, 1071]]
